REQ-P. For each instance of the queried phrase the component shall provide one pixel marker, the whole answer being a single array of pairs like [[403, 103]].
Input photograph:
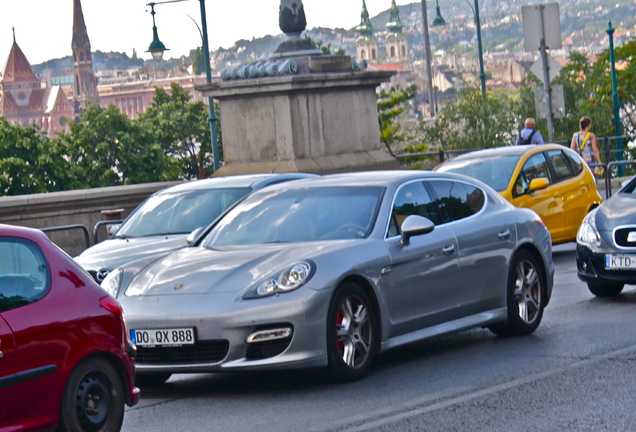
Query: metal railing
[[87, 239], [609, 171], [103, 223], [605, 149]]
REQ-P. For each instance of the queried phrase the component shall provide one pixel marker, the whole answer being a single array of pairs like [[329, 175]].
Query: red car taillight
[[111, 305]]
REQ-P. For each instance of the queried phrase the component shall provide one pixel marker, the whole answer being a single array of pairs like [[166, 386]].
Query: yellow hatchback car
[[550, 179]]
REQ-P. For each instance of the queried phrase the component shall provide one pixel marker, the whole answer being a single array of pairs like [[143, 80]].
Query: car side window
[[576, 163], [560, 164], [411, 199], [456, 200], [535, 167], [24, 273]]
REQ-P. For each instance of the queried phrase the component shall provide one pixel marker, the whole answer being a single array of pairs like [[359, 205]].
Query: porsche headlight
[[588, 234], [112, 282], [293, 277]]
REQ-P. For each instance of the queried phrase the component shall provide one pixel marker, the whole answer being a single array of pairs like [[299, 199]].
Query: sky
[[43, 28]]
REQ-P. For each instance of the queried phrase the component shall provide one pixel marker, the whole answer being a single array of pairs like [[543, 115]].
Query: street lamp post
[[429, 69], [157, 49], [482, 74], [440, 21], [617, 117]]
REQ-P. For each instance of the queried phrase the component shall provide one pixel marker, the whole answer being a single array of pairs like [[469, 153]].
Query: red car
[[65, 357]]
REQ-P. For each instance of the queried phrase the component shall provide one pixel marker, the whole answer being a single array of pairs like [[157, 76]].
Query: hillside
[[584, 20]]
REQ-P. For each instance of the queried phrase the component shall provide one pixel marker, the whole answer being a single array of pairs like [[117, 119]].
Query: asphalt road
[[575, 373]]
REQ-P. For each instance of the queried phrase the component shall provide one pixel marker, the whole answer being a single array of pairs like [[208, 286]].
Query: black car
[[606, 244]]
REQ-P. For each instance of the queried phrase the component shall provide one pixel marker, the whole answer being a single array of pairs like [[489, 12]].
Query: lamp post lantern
[[157, 49], [438, 21]]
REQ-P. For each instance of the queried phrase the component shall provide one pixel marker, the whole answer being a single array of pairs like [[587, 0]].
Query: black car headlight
[[588, 234], [291, 278], [112, 282]]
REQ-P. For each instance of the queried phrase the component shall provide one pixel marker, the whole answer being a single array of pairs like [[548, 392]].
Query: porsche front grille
[[201, 352]]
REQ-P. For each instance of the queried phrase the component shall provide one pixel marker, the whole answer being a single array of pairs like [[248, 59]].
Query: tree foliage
[[182, 130], [106, 148], [391, 104], [198, 61], [29, 161], [472, 121]]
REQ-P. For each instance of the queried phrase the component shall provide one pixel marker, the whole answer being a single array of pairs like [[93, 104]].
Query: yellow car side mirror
[[538, 183]]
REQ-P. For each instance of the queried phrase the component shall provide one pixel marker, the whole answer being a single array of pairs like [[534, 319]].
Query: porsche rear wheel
[[525, 296], [352, 333]]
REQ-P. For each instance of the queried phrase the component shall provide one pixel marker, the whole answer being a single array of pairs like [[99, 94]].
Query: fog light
[[269, 335]]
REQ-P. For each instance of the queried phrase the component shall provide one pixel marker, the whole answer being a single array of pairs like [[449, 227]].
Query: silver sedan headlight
[[293, 277], [588, 234], [112, 282]]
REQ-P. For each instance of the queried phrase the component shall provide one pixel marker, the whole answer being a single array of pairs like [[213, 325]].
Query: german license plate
[[163, 337], [620, 262]]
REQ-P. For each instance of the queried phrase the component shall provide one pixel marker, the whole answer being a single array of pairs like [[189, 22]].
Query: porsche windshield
[[179, 213], [494, 171], [299, 215]]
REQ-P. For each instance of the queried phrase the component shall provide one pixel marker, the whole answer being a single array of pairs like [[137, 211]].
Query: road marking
[[388, 419]]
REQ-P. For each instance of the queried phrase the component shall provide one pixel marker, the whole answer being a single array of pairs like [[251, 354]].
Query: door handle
[[504, 235], [447, 250]]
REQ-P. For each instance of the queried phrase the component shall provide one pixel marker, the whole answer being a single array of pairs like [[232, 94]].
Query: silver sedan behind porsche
[[329, 271]]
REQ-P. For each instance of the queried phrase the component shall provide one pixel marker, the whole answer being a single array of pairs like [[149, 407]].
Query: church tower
[[85, 81], [18, 84], [397, 48], [366, 44]]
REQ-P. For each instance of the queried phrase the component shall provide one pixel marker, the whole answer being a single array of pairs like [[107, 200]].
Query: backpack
[[528, 140]]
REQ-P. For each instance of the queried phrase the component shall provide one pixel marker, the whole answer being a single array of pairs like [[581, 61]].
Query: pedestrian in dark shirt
[[529, 135]]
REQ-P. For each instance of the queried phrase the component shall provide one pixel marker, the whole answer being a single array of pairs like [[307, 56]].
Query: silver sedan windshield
[[179, 213], [495, 171], [299, 215]]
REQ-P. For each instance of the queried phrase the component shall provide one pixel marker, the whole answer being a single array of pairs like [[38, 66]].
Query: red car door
[[8, 369], [32, 348]]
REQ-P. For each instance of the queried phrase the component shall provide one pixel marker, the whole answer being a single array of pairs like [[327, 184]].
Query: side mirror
[[538, 184], [112, 229], [194, 235], [415, 225]]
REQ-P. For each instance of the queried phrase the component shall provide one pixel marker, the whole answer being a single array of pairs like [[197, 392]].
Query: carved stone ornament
[[291, 17]]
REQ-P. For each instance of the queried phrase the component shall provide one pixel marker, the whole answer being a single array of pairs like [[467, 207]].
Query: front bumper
[[222, 328], [590, 265]]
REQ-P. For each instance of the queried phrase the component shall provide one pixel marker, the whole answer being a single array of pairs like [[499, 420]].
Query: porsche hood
[[198, 270]]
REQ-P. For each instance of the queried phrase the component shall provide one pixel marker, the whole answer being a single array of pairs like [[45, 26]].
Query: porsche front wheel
[[352, 333]]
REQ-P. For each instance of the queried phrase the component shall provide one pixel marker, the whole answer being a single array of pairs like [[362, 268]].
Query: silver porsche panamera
[[329, 271]]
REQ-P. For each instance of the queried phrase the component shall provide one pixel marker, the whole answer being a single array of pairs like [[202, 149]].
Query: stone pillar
[[313, 122]]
